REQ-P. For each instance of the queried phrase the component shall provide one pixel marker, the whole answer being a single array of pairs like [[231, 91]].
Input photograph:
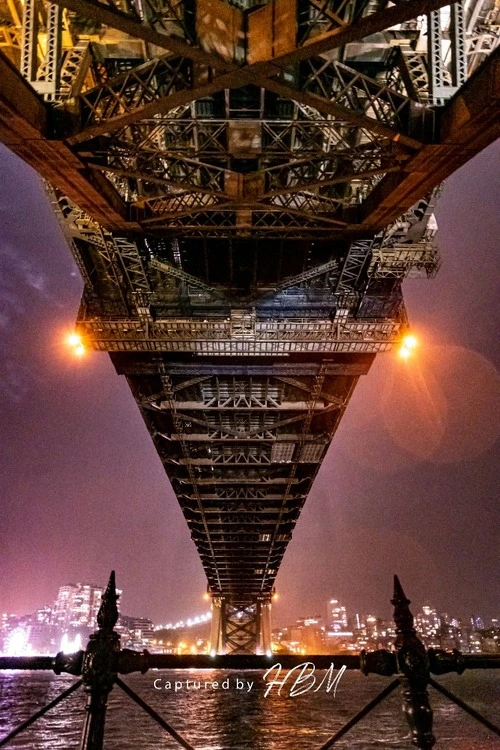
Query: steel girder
[[155, 87], [137, 25], [378, 129], [241, 502], [232, 200]]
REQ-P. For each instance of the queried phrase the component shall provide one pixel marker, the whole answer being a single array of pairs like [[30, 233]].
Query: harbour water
[[244, 719]]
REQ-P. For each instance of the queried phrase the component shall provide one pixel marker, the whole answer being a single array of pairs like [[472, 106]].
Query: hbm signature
[[299, 682]]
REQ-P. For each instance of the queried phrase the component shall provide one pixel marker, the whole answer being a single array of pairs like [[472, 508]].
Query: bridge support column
[[264, 619], [218, 628], [240, 628]]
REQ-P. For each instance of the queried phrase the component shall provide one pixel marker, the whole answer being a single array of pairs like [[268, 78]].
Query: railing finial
[[100, 663], [403, 618], [107, 617], [413, 667], [399, 594]]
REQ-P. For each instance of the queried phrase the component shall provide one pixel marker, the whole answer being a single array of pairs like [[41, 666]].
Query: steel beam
[[24, 128], [317, 45], [258, 73], [359, 29], [48, 79], [343, 364], [328, 106], [29, 49], [130, 24], [468, 123]]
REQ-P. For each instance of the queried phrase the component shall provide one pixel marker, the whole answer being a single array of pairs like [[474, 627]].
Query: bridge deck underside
[[241, 444]]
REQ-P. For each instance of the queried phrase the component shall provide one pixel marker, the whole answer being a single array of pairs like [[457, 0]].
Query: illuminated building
[[77, 605], [306, 636], [337, 616], [135, 632], [477, 622]]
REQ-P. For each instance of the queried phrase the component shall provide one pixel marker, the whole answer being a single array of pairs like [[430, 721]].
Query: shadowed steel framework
[[244, 187]]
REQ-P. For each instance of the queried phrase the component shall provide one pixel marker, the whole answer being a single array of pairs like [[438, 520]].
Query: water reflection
[[219, 719]]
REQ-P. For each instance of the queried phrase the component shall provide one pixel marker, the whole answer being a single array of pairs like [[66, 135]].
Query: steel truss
[[241, 501], [444, 80], [243, 201]]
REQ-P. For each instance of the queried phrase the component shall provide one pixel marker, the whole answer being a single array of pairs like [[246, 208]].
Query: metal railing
[[100, 665]]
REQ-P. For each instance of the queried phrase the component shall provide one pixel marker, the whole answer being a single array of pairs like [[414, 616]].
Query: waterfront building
[[135, 632], [77, 605], [337, 616]]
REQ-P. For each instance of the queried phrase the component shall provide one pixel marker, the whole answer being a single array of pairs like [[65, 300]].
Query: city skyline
[[85, 492], [334, 612], [67, 623]]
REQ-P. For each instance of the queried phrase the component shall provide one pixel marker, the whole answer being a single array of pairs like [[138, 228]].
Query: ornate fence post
[[413, 667], [99, 668]]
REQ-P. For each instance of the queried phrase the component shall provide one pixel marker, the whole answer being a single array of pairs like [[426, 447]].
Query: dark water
[[239, 720]]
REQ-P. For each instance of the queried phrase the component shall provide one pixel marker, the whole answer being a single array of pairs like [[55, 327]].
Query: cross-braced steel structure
[[244, 186]]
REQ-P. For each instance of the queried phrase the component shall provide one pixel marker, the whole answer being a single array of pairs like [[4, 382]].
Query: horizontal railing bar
[[246, 661], [131, 661], [27, 662], [475, 661]]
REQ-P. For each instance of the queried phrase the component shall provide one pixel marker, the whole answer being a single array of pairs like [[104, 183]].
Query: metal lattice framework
[[244, 187]]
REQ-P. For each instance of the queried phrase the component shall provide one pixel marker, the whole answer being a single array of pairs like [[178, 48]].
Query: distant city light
[[69, 646], [17, 643], [189, 623], [408, 346]]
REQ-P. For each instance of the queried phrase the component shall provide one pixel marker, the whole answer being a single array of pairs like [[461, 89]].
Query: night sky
[[409, 485]]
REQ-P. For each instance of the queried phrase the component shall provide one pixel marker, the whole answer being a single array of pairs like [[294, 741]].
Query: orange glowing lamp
[[75, 341], [408, 346]]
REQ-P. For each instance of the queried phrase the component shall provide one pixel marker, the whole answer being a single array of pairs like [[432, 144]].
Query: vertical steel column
[[49, 86], [259, 648], [99, 669], [436, 82], [265, 626], [443, 83], [29, 48], [217, 627], [413, 667], [458, 47]]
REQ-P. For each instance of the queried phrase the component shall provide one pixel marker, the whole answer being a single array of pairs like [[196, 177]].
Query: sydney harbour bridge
[[244, 186]]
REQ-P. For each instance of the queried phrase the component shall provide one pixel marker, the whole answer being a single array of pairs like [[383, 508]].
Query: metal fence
[[99, 666]]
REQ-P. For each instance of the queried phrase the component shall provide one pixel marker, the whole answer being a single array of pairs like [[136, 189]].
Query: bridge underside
[[241, 441], [244, 187]]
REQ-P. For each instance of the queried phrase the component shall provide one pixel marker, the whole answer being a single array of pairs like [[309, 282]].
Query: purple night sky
[[409, 485]]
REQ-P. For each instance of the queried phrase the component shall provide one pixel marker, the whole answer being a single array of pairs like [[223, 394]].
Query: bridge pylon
[[240, 628]]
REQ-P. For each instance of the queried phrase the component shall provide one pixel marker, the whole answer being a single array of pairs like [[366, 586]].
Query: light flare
[[17, 643], [408, 346], [70, 646], [75, 341]]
